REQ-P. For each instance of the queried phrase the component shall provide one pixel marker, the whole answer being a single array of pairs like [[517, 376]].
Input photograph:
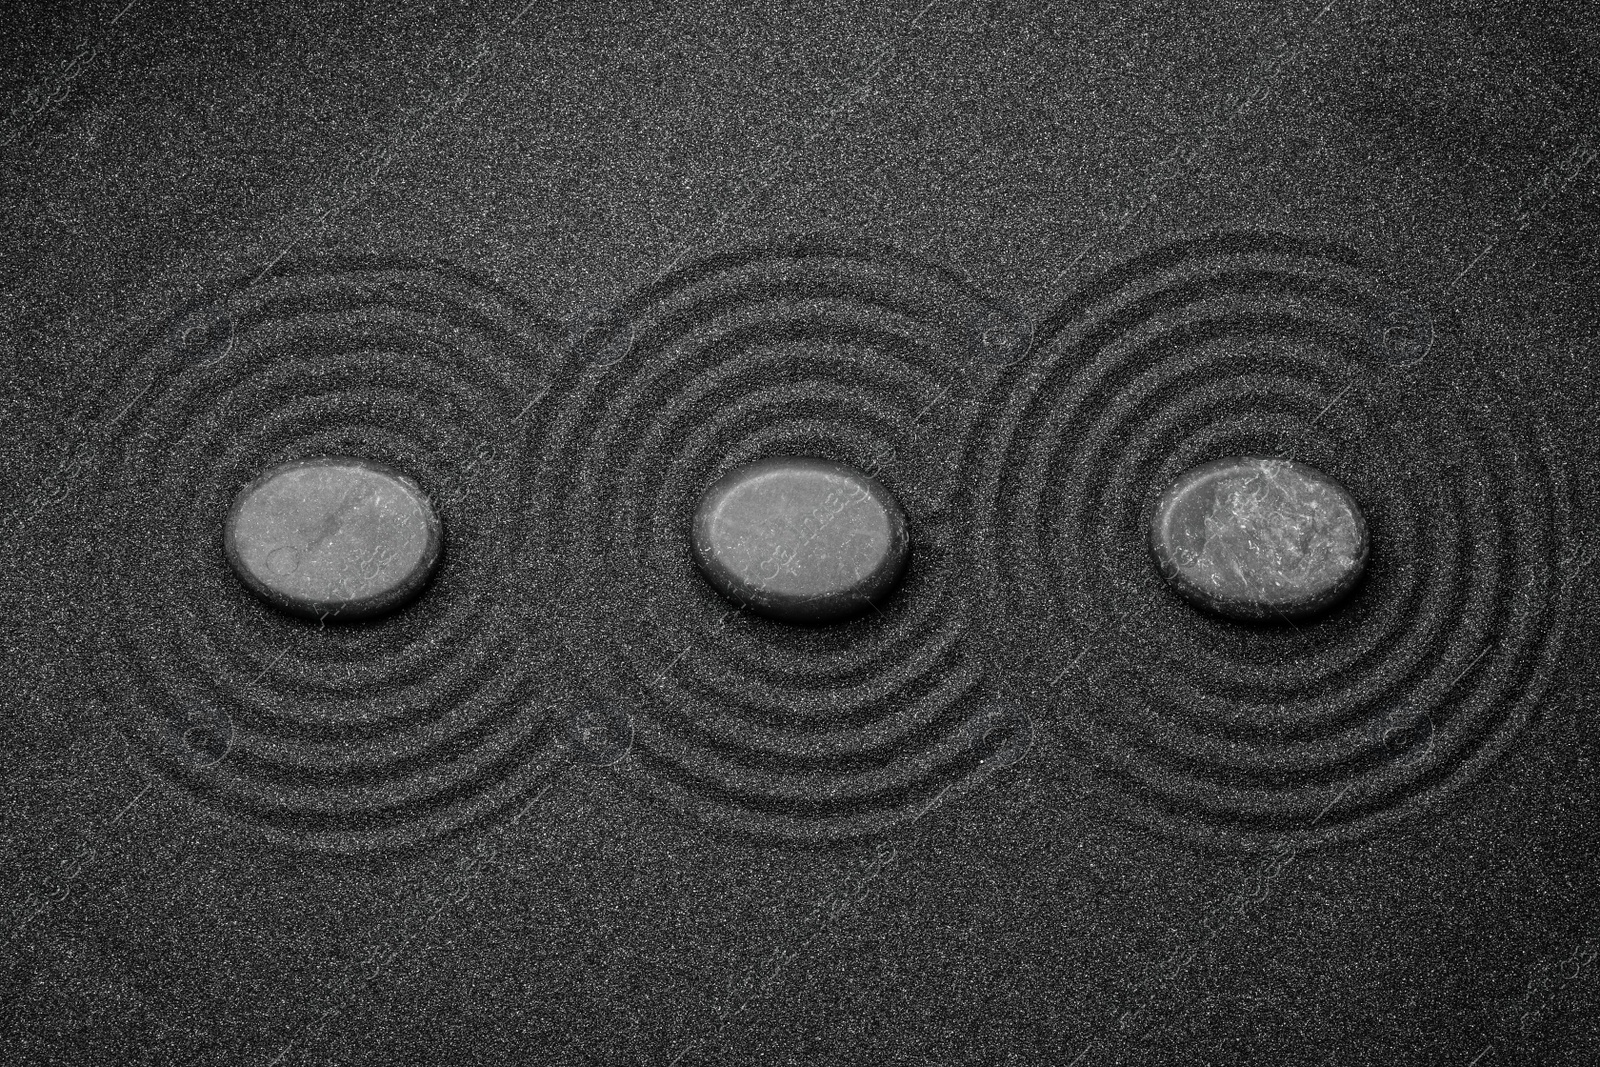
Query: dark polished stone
[[336, 538], [1259, 539], [802, 540]]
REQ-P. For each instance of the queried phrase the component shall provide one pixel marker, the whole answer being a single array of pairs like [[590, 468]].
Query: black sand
[[565, 265]]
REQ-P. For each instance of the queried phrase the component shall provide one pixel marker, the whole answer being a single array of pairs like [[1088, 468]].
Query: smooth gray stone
[[1259, 539], [338, 538], [801, 540]]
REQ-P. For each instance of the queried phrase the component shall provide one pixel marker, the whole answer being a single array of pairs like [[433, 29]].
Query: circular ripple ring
[[374, 735], [808, 347], [1261, 345]]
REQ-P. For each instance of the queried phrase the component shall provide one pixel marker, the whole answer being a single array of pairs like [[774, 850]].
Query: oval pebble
[[1259, 539], [800, 540], [333, 538]]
